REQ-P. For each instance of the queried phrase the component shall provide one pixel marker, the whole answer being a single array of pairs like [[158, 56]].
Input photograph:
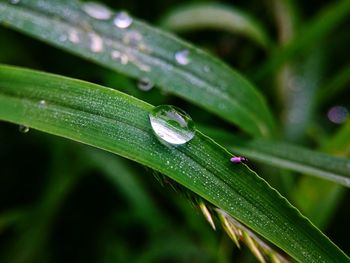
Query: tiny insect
[[239, 159]]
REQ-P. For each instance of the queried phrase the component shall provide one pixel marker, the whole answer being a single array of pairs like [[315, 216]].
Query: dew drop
[[97, 11], [206, 69], [122, 58], [42, 104], [96, 43], [74, 37], [338, 114], [23, 128], [62, 38], [145, 84], [171, 124], [122, 20], [182, 57], [133, 39]]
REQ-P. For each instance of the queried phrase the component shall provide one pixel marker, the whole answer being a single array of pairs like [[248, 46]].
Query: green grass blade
[[334, 86], [118, 123], [319, 199], [287, 156], [142, 51], [190, 17], [299, 159], [312, 33]]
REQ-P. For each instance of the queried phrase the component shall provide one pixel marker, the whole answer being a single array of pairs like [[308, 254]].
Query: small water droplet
[[172, 125], [97, 10], [338, 114], [134, 39], [62, 38], [206, 69], [122, 58], [74, 37], [182, 57], [122, 20], [14, 2], [42, 104], [145, 84], [96, 43], [23, 128]]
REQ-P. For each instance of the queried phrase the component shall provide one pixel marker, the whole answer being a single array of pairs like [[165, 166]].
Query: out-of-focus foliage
[[63, 202]]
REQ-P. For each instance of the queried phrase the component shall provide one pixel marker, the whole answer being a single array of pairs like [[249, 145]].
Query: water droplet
[[97, 10], [182, 57], [134, 39], [145, 84], [338, 114], [96, 43], [42, 104], [122, 20], [122, 58], [74, 36], [14, 2], [172, 125], [62, 38], [23, 128], [206, 69]]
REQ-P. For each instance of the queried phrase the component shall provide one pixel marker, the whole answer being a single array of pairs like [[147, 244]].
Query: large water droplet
[[122, 20], [97, 10], [171, 124], [23, 128], [145, 84], [182, 57]]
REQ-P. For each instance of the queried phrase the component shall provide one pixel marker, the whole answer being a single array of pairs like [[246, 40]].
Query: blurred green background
[[65, 202]]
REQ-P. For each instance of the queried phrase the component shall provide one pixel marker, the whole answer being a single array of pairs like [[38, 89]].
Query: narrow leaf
[[313, 32], [118, 123], [142, 51], [214, 16], [334, 86], [288, 156], [319, 199]]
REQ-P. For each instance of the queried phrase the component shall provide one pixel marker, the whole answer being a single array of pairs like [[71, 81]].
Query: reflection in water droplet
[[14, 2], [338, 114], [42, 104], [182, 57], [172, 125], [145, 84], [23, 128], [96, 43], [122, 58], [97, 10], [122, 20]]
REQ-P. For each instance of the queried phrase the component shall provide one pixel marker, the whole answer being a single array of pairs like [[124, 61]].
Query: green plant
[[249, 209]]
